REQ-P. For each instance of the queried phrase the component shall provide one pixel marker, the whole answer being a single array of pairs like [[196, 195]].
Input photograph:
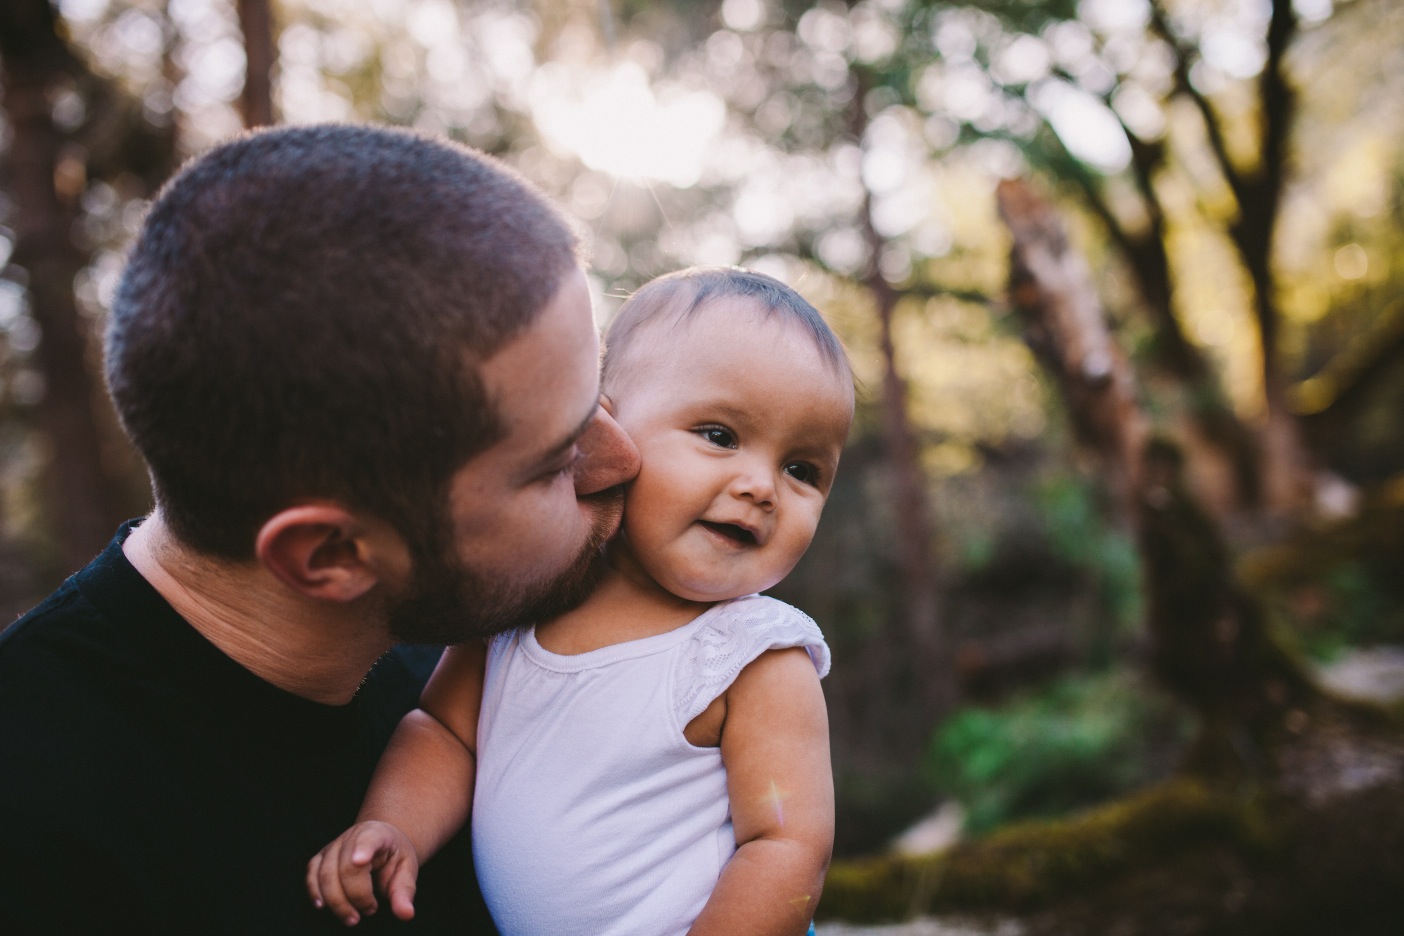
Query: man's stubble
[[447, 602]]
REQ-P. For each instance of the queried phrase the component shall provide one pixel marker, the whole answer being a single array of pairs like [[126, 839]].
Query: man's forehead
[[544, 384]]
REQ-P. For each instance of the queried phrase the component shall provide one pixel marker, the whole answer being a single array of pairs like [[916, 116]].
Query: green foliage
[[1076, 526], [1080, 740], [1357, 602], [1344, 606], [1337, 586], [977, 550]]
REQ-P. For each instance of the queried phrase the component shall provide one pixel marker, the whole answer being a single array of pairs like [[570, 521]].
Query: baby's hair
[[682, 294]]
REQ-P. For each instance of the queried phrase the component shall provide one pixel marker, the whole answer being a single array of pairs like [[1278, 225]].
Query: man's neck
[[314, 649]]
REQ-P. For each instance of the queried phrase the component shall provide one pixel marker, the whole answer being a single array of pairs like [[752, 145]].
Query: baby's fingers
[[325, 888], [335, 882], [313, 881], [397, 882], [348, 884]]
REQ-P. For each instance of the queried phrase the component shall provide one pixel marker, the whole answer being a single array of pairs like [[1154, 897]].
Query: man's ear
[[326, 551]]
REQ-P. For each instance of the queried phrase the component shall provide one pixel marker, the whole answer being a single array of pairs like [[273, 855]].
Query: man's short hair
[[302, 318]]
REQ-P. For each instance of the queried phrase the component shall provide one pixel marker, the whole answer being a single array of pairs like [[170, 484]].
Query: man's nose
[[608, 456]]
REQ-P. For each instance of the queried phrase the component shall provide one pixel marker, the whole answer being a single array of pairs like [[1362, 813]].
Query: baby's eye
[[718, 435], [803, 472]]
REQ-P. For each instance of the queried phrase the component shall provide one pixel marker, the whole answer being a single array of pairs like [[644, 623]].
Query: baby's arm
[[420, 796], [775, 744]]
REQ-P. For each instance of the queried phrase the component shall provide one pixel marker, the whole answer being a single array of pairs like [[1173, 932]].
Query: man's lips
[[732, 531], [609, 513]]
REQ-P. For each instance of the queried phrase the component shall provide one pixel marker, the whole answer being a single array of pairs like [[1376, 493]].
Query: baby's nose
[[756, 484]]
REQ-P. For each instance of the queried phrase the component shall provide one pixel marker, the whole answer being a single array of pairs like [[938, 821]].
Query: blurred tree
[[261, 57], [1210, 641], [1300, 790], [44, 84], [918, 577], [1089, 92], [1258, 192]]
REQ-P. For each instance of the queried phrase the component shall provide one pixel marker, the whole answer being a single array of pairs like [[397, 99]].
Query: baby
[[655, 761]]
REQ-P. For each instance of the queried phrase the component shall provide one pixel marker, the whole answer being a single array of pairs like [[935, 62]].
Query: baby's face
[[739, 422]]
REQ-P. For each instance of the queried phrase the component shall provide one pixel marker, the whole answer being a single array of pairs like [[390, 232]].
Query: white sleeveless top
[[592, 813]]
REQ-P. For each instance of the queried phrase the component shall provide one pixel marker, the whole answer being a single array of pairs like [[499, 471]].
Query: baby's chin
[[704, 591], [687, 584]]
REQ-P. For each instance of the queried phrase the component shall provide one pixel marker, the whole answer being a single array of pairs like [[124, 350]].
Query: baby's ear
[[325, 551]]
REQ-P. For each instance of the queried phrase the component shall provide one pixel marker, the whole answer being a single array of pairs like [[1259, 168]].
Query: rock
[[935, 833], [1370, 675]]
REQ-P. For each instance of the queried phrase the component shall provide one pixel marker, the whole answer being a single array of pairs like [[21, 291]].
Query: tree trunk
[[82, 493], [916, 566], [1209, 640], [920, 611], [1052, 292], [256, 21], [1286, 467], [1223, 435]]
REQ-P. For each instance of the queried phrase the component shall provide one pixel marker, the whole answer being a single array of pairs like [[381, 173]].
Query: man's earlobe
[[321, 550]]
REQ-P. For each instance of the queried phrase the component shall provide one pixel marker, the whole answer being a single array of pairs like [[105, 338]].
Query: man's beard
[[447, 602]]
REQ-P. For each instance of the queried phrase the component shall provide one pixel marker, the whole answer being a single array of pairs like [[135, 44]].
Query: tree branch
[[1160, 25]]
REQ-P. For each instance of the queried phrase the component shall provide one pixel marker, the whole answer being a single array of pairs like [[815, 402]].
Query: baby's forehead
[[739, 353], [717, 320]]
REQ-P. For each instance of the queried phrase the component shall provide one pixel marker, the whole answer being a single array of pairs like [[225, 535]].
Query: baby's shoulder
[[729, 637], [756, 615]]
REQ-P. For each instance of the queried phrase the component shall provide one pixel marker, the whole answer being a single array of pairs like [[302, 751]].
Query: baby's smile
[[731, 531]]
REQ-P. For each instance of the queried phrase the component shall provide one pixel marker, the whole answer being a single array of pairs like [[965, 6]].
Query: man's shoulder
[[64, 604], [393, 685], [57, 676], [44, 649], [82, 616], [409, 662], [82, 695]]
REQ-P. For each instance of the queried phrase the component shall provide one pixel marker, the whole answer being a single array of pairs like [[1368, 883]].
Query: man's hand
[[368, 858]]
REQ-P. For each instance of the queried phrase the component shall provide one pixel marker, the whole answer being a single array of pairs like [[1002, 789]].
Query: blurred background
[[1114, 569]]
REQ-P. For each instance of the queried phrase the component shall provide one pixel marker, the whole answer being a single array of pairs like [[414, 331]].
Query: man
[[363, 373]]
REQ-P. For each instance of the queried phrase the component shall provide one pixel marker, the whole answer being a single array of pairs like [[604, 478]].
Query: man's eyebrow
[[555, 451]]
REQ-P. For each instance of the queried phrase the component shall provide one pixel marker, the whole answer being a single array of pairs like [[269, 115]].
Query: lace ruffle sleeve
[[733, 635]]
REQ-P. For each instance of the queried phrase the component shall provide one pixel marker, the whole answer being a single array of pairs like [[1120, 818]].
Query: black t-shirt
[[148, 783]]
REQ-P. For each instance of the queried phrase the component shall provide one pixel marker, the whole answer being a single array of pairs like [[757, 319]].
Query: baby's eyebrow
[[731, 413]]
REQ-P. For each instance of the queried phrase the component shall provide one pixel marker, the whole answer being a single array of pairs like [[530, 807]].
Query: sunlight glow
[[82, 10], [1086, 126], [1351, 262], [616, 123]]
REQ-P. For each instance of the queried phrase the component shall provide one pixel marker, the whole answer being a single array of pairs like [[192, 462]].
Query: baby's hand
[[368, 858]]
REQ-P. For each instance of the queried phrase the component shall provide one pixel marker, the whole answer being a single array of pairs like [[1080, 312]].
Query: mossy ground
[[1031, 865], [1185, 857]]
